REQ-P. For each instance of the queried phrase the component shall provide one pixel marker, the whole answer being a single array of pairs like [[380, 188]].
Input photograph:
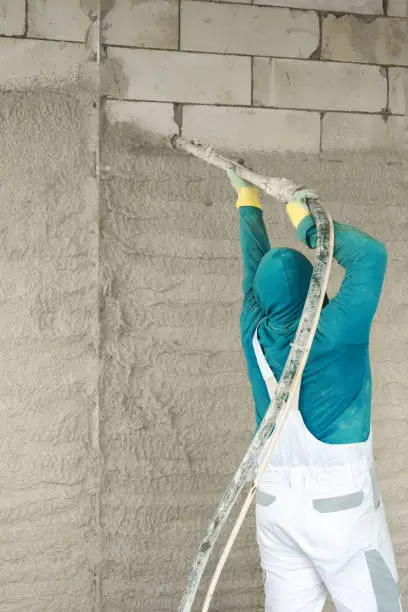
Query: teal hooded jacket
[[335, 392]]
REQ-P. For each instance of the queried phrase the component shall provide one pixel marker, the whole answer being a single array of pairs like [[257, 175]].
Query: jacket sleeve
[[254, 242], [349, 315]]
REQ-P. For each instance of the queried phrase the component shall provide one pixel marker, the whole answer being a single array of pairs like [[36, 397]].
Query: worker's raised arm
[[252, 231], [364, 259]]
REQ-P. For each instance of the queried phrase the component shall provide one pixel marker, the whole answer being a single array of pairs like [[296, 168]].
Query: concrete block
[[57, 19], [398, 8], [260, 130], [252, 30], [398, 83], [27, 63], [12, 17], [235, 1], [370, 7], [352, 132], [169, 76], [143, 24], [383, 40], [153, 120], [319, 85]]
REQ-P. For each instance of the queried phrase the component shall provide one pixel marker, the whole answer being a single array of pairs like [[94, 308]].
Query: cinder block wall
[[125, 401], [296, 80]]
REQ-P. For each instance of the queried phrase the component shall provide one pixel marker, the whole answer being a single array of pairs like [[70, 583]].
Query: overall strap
[[263, 365], [265, 369]]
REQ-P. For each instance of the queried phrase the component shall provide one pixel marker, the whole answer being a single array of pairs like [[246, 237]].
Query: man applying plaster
[[320, 521]]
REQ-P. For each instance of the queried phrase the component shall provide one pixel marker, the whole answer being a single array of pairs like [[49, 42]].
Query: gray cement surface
[[49, 367]]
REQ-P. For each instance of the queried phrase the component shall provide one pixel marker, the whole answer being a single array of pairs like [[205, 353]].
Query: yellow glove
[[297, 208], [248, 195]]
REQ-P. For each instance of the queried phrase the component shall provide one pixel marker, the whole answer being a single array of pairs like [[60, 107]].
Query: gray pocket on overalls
[[375, 489], [386, 590], [264, 499], [337, 504]]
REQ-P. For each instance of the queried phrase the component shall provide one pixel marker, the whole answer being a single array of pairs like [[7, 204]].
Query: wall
[[49, 329], [305, 82], [126, 405]]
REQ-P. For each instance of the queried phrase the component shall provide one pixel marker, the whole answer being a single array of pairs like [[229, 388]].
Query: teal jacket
[[335, 393]]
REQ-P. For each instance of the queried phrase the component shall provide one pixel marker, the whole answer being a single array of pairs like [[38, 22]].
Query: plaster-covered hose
[[283, 191]]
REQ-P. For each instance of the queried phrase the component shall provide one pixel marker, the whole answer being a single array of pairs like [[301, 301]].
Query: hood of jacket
[[281, 284]]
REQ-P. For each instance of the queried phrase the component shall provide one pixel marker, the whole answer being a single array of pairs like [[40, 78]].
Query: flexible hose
[[282, 190]]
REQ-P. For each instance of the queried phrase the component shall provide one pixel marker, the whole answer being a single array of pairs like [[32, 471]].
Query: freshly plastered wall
[[49, 368], [49, 329], [180, 413], [125, 402]]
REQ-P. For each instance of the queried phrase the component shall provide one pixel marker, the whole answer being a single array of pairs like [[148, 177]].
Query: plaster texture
[[49, 366], [178, 409], [26, 64]]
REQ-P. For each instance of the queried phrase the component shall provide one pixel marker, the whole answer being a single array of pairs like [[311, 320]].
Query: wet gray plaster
[[178, 409]]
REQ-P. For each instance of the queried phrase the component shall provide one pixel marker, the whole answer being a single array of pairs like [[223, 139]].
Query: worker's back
[[335, 394]]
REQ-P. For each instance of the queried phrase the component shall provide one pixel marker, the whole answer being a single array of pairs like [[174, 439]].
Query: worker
[[320, 522]]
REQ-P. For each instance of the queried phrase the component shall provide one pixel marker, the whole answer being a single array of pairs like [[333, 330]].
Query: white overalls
[[321, 524]]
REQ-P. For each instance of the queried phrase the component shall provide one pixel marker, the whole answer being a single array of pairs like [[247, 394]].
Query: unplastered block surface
[[12, 17], [258, 130], [319, 85], [231, 1], [58, 19], [383, 40], [398, 8], [349, 132], [398, 79], [143, 24], [210, 26], [371, 7], [181, 77]]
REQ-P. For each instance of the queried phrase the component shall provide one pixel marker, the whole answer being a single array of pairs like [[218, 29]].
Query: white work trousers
[[317, 535], [320, 522]]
